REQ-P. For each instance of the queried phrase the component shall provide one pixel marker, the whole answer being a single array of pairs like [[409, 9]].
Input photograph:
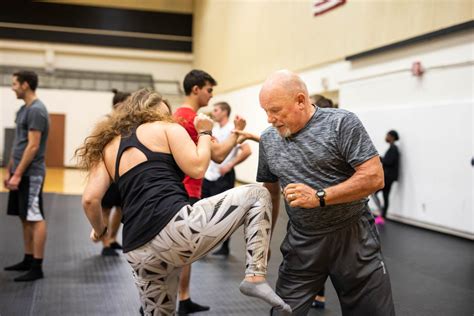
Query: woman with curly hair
[[141, 149]]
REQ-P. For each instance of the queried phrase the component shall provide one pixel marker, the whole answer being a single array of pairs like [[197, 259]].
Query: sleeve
[[187, 121], [37, 120], [354, 142], [263, 172]]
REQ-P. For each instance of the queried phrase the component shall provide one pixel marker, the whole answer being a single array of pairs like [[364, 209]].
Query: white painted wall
[[433, 114], [82, 108], [434, 117]]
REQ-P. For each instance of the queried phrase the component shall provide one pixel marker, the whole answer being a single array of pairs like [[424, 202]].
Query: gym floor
[[431, 273]]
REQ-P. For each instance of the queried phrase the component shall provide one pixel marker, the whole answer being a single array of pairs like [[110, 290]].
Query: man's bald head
[[284, 97], [285, 82]]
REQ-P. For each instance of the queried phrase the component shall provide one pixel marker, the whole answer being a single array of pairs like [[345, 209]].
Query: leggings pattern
[[194, 232]]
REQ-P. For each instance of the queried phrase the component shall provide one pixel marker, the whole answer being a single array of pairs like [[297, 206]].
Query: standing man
[[391, 166], [25, 174], [325, 164], [221, 177], [198, 86]]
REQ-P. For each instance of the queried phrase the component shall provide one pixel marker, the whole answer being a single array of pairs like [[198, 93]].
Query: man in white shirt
[[221, 177]]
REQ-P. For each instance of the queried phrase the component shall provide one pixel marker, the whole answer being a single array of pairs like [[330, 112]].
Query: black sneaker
[[32, 275], [108, 252], [188, 307], [115, 245], [21, 266]]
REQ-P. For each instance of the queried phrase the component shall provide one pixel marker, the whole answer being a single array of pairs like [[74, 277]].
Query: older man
[[326, 165]]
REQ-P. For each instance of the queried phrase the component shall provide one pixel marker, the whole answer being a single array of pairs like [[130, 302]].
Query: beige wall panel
[[177, 6], [241, 41]]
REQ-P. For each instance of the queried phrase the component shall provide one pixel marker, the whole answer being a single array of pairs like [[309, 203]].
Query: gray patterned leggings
[[193, 233]]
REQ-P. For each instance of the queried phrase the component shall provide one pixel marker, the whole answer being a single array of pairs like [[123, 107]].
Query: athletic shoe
[[379, 220]]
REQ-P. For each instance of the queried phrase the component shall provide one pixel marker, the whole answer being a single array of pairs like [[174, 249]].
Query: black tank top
[[152, 193]]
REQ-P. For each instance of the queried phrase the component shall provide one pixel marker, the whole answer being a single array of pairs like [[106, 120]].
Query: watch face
[[321, 193]]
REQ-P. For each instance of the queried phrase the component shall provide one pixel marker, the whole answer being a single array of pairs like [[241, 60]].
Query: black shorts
[[351, 257], [224, 183], [112, 197], [27, 201]]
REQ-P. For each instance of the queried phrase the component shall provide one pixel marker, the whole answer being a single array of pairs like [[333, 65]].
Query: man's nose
[[270, 119]]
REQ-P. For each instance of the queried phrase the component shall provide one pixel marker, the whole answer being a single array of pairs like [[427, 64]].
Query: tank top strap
[[127, 142]]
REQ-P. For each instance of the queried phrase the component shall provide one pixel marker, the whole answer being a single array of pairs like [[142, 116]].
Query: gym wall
[[241, 42], [83, 108], [432, 113]]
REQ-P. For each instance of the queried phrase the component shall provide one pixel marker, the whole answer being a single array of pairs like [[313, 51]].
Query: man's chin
[[285, 132]]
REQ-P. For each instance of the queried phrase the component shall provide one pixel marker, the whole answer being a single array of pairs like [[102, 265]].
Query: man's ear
[[301, 99], [195, 89], [25, 85]]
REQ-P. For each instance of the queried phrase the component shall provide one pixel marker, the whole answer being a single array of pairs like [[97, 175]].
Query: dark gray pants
[[351, 257]]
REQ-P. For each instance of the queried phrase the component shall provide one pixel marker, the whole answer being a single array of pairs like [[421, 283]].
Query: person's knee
[[260, 189]]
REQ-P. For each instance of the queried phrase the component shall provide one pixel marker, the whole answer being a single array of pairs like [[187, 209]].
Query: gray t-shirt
[[33, 117], [322, 154]]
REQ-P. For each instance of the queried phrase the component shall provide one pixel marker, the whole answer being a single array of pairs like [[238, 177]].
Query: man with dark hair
[[198, 86], [197, 78], [323, 102], [220, 177], [391, 164], [25, 174]]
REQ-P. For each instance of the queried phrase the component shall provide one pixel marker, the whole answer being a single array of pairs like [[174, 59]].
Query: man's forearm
[[220, 150], [241, 156], [26, 159], [10, 164], [353, 189]]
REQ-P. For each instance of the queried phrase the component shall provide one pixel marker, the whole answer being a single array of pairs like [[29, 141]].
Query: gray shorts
[[27, 201]]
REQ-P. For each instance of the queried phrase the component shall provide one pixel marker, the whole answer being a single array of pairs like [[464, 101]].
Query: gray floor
[[432, 274]]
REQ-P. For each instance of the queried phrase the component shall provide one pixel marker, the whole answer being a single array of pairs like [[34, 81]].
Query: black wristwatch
[[321, 195], [205, 133]]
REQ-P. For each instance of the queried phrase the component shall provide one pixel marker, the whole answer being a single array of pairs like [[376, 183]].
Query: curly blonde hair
[[141, 107]]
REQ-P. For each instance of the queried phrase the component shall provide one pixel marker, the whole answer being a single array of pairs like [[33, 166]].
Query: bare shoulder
[[174, 128]]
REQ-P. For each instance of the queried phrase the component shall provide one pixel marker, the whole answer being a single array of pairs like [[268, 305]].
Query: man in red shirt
[[198, 86]]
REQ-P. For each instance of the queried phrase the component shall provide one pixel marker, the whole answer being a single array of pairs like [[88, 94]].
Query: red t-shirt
[[185, 117]]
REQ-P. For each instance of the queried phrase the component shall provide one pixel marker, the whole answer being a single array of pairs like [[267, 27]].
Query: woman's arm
[[97, 184], [192, 159]]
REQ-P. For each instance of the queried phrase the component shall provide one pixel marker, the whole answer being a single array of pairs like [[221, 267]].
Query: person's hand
[[6, 177], [300, 195], [239, 123], [95, 237], [225, 169], [203, 123], [243, 136], [14, 182]]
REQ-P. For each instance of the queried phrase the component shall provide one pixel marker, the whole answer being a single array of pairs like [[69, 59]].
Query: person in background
[[221, 177], [112, 212], [391, 166], [25, 174], [323, 102], [198, 87]]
